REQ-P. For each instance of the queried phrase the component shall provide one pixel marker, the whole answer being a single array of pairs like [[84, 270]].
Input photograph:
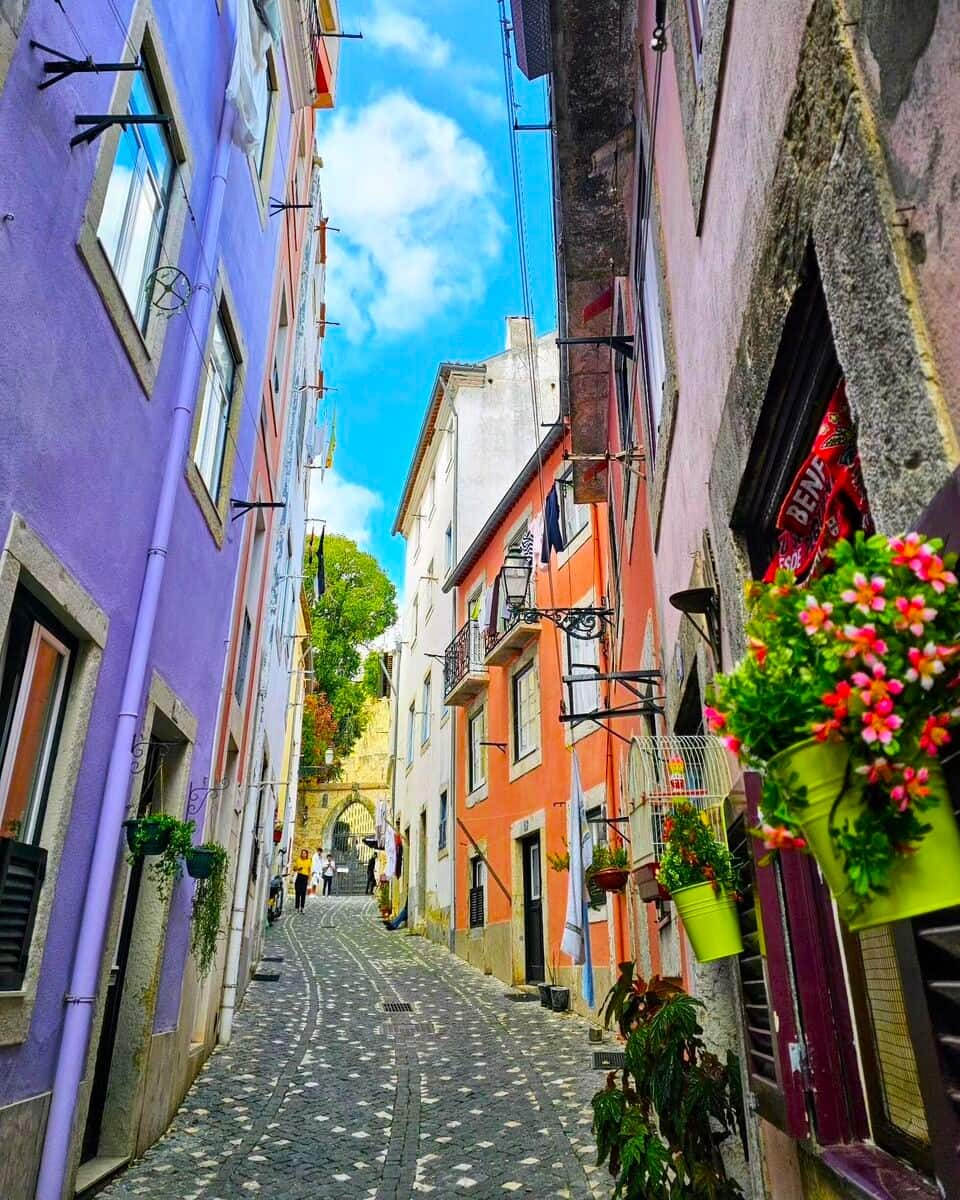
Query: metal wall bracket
[[101, 122], [619, 343], [65, 65], [278, 206], [242, 507]]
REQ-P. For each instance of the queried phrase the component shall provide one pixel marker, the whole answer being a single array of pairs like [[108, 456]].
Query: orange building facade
[[504, 681]]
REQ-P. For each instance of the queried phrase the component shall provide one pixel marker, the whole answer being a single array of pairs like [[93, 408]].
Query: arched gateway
[[349, 824]]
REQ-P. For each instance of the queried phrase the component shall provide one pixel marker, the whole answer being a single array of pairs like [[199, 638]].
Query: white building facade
[[482, 424]]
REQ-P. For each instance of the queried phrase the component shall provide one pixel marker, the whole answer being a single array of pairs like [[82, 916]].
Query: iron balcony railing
[[463, 656], [508, 622]]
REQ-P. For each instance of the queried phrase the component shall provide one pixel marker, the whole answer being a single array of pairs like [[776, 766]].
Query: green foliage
[[865, 652], [357, 607], [164, 869], [383, 894], [206, 917], [660, 1122], [605, 856], [694, 854], [317, 733]]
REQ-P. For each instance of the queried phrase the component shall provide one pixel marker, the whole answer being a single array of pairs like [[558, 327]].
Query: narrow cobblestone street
[[322, 1093]]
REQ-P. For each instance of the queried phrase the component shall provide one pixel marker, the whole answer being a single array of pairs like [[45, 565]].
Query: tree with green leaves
[[358, 605]]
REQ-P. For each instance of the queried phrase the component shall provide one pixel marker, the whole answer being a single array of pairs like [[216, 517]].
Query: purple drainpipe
[[96, 907]]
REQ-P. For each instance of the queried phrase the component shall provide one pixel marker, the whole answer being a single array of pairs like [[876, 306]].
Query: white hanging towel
[[576, 930], [485, 599], [249, 64], [391, 849], [380, 821]]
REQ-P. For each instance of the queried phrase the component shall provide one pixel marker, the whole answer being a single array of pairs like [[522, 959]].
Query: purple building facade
[[137, 262]]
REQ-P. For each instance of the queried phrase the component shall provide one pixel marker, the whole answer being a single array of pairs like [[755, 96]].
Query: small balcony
[[510, 639], [464, 672]]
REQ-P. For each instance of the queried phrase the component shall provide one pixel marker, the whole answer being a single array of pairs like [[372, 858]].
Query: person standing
[[372, 875], [315, 868], [301, 877], [329, 870]]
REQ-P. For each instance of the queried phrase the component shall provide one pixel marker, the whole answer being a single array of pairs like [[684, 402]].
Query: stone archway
[[350, 821]]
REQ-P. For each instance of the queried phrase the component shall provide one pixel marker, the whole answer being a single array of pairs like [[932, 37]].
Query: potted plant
[[167, 840], [698, 871], [206, 917], [845, 699], [544, 989], [277, 834], [610, 868], [383, 899], [662, 1119], [559, 860]]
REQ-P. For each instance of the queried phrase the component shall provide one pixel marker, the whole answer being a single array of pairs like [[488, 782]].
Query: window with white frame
[[266, 99], [697, 12], [596, 821], [215, 405], [583, 661], [417, 533], [573, 517], [134, 215], [431, 497], [411, 719], [34, 665], [425, 712], [443, 819], [647, 291], [414, 618], [477, 751], [430, 583], [526, 711], [448, 548], [280, 347]]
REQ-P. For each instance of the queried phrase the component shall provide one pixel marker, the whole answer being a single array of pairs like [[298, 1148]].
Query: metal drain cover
[[272, 958], [608, 1060], [397, 1006], [264, 978]]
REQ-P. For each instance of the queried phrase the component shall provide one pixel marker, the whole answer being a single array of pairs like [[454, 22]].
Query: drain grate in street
[[263, 977], [608, 1060], [397, 1006], [522, 997], [272, 958]]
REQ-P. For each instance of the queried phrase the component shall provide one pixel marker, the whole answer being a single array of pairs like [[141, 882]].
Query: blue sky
[[417, 178]]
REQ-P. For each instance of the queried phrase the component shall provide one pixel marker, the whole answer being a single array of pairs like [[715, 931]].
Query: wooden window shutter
[[22, 869], [775, 1072], [476, 907]]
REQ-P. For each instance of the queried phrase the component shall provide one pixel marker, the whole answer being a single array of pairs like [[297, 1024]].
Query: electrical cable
[[76, 32]]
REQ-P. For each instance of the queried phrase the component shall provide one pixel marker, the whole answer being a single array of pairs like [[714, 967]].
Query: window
[[448, 548], [573, 517], [425, 715], [417, 533], [34, 667], [280, 347], [526, 712], [584, 662], [431, 500], [134, 213], [473, 605], [476, 893], [697, 11], [215, 405], [266, 97], [647, 292], [624, 399], [414, 619], [477, 731], [430, 581], [411, 718], [243, 658], [442, 825]]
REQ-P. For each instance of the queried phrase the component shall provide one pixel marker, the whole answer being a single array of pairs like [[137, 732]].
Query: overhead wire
[[76, 32]]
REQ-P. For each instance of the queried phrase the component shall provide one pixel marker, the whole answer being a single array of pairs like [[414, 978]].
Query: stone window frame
[[261, 176], [699, 80], [26, 559], [533, 758], [482, 790], [144, 348], [215, 510]]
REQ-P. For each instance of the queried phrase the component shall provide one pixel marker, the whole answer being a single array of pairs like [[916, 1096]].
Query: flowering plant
[[694, 854], [866, 653]]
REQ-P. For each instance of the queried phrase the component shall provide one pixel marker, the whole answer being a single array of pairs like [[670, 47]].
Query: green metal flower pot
[[155, 840], [200, 862], [924, 881], [710, 921]]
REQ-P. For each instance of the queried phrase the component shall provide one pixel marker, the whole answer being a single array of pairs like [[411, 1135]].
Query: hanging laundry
[[391, 849], [576, 931], [380, 821], [494, 616], [399, 844], [246, 87], [527, 544], [333, 442], [485, 602], [552, 532]]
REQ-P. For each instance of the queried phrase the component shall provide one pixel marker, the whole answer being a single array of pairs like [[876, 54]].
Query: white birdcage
[[663, 770]]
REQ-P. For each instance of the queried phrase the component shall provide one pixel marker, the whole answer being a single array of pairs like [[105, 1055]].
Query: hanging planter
[[845, 699], [922, 882], [277, 834], [701, 876], [611, 879], [147, 835], [208, 865], [608, 872], [201, 861]]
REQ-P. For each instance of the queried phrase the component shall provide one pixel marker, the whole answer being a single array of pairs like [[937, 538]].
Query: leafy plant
[[605, 856], [866, 653], [693, 853], [384, 896], [164, 869], [660, 1121], [206, 917], [559, 860]]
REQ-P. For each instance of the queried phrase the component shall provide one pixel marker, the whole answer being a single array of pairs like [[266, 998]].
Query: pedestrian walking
[[329, 870], [372, 875], [315, 869], [301, 877]]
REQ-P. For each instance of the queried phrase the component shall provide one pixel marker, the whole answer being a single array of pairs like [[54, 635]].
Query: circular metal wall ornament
[[169, 290]]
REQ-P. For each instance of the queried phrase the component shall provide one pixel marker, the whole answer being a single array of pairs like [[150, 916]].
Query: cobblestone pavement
[[323, 1093]]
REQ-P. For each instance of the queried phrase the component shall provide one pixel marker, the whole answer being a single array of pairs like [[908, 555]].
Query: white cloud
[[388, 29], [413, 198], [348, 508]]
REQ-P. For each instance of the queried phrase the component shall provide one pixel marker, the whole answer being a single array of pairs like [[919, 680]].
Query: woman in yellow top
[[301, 871]]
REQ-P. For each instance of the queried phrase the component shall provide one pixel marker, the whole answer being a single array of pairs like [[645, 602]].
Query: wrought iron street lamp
[[584, 623]]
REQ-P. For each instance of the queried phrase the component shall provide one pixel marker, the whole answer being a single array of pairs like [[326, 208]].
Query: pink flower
[[913, 787], [879, 771], [925, 664], [910, 550], [864, 641], [716, 720], [759, 650], [824, 730], [778, 837], [876, 686], [914, 613], [866, 593], [935, 734], [931, 570], [733, 744], [814, 616], [839, 700], [880, 723]]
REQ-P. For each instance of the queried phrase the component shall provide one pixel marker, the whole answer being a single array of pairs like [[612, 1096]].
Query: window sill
[[442, 853], [869, 1173], [477, 795], [523, 766], [578, 540], [211, 513]]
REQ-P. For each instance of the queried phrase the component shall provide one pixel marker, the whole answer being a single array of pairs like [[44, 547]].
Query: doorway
[[421, 914], [532, 910]]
